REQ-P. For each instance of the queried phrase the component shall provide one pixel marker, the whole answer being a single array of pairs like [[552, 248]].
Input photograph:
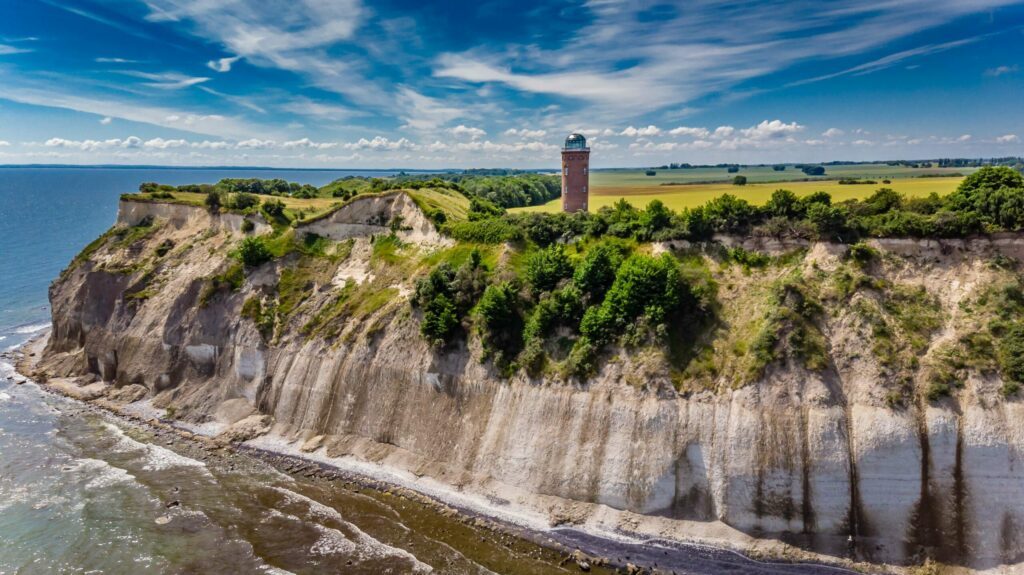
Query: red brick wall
[[575, 180]]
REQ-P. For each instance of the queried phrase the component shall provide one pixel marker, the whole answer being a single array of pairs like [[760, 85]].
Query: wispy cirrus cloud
[[165, 80], [708, 47]]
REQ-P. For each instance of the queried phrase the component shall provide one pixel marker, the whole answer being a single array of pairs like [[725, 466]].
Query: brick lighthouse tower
[[575, 173]]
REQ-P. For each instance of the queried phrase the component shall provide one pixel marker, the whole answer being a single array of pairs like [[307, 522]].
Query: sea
[[84, 492]]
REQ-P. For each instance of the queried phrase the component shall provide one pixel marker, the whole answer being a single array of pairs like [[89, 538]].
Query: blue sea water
[[51, 213]]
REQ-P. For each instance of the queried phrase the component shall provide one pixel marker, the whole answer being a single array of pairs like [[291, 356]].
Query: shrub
[[739, 181], [546, 267], [247, 226], [253, 252], [499, 321], [243, 201], [646, 286], [862, 253], [1011, 353], [595, 274], [214, 200]]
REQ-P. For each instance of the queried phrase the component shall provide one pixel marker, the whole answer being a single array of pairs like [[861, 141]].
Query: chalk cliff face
[[809, 457]]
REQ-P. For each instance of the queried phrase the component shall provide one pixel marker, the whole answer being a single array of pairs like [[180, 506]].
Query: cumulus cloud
[[380, 143], [723, 132], [772, 129], [1008, 139], [525, 133], [163, 144], [222, 64], [863, 143], [591, 132], [256, 144], [90, 145], [308, 144], [699, 133], [833, 133], [467, 131], [640, 132], [4, 143], [964, 138]]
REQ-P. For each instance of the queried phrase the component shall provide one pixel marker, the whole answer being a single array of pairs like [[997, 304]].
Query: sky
[[460, 84]]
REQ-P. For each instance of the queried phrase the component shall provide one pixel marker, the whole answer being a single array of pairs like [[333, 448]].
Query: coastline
[[579, 548]]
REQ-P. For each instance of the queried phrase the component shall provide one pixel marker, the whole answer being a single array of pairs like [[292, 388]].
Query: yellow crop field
[[693, 195]]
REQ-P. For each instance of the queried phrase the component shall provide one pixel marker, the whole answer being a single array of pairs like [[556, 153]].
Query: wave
[[156, 458], [100, 474], [332, 540], [32, 328]]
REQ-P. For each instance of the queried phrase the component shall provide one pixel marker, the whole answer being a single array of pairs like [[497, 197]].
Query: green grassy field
[[693, 195], [636, 177]]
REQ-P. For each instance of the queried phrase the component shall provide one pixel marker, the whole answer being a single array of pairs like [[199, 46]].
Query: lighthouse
[[575, 173]]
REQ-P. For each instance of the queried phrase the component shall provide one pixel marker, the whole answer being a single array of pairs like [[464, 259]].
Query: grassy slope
[[693, 195]]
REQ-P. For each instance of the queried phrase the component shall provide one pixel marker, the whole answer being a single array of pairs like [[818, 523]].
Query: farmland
[[690, 188]]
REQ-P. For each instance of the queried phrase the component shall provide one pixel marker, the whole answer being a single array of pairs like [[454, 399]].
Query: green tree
[[546, 267], [253, 252], [739, 181]]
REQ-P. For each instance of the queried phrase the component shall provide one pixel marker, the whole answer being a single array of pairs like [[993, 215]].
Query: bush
[[739, 181], [546, 267], [214, 200], [247, 226], [595, 274], [500, 323], [645, 286], [1011, 353], [254, 252], [243, 201]]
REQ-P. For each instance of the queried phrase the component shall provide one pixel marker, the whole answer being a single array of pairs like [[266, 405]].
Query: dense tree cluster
[[521, 317]]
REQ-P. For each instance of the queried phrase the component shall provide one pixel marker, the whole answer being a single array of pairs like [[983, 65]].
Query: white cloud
[[222, 64], [307, 143], [6, 50], [1008, 139], [1001, 71], [256, 144], [163, 144], [90, 145], [525, 133], [467, 131], [425, 113], [863, 143], [640, 132], [116, 61], [772, 129], [4, 143], [166, 80], [208, 145], [723, 132], [698, 133], [380, 143], [590, 132], [813, 142], [833, 133], [964, 138], [307, 107], [106, 120]]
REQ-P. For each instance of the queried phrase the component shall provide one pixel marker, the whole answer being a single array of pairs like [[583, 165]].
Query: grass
[[309, 207], [693, 195], [636, 177]]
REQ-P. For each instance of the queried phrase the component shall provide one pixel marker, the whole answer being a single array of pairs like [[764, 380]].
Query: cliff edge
[[874, 423]]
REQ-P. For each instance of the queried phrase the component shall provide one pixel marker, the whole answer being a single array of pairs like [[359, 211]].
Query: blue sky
[[352, 83]]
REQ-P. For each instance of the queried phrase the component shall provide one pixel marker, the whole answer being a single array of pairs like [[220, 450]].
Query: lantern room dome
[[575, 142]]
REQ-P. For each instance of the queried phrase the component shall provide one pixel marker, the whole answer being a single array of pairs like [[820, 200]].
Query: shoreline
[[616, 551]]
